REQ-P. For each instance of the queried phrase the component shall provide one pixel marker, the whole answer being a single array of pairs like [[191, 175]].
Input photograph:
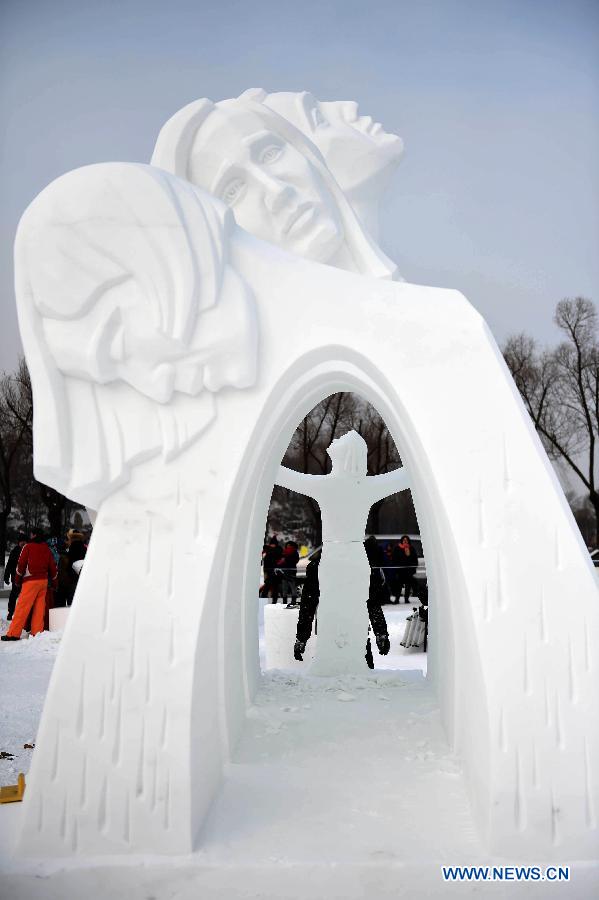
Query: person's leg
[[39, 609], [409, 587], [23, 607], [12, 601]]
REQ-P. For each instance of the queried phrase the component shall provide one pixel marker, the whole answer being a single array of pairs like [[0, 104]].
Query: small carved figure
[[345, 497]]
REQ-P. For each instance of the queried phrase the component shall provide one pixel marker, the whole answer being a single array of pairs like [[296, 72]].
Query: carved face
[[356, 149], [273, 190], [120, 340]]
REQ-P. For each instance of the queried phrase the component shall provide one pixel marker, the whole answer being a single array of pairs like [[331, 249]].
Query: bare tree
[[560, 388], [15, 442]]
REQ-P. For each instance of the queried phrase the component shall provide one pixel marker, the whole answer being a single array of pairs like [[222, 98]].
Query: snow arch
[[159, 660]]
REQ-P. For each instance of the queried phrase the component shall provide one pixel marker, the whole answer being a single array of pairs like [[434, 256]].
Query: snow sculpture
[[273, 177], [142, 324], [122, 273], [360, 154], [345, 497]]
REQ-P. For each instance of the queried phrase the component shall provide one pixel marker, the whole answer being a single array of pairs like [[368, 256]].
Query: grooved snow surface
[[340, 787]]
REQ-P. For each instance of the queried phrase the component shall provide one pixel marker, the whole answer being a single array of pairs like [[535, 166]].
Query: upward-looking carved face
[[273, 190], [356, 149]]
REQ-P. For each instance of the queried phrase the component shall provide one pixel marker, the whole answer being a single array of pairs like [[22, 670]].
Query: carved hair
[[118, 267]]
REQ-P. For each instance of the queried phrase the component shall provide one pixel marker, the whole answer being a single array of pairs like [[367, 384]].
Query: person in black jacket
[[311, 597], [10, 572], [405, 559], [272, 555]]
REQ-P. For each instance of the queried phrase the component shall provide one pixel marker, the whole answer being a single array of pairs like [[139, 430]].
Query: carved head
[[273, 178], [349, 455], [357, 150], [132, 318]]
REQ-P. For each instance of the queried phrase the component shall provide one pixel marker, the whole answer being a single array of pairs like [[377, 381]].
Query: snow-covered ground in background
[[338, 788]]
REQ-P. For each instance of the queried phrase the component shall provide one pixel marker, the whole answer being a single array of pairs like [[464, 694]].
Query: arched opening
[[397, 601]]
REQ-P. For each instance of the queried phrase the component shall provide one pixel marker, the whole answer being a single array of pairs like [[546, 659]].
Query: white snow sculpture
[[273, 177], [360, 154], [126, 274], [345, 497], [159, 661]]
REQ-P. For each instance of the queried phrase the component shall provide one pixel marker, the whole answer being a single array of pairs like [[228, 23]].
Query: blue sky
[[497, 103]]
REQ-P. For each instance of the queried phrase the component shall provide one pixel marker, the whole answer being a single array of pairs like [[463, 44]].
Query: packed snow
[[342, 787]]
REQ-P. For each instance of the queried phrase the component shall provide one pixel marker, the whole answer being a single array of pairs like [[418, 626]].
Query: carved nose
[[276, 193]]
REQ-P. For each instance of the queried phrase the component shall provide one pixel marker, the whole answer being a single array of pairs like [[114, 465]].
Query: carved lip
[[299, 217]]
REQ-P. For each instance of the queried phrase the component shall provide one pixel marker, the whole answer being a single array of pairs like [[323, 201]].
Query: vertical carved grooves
[[81, 705], [535, 766], [554, 819], [133, 646], [40, 811], [571, 673], [153, 784], [486, 602], [547, 706], [559, 731], [507, 478], [167, 802], [519, 808], [55, 755], [63, 818], [501, 599], [139, 781], [74, 835], [105, 605], [482, 536], [589, 808], [83, 787], [163, 728], [149, 549], [587, 648], [543, 617], [116, 746], [526, 661], [178, 494], [102, 802], [502, 734]]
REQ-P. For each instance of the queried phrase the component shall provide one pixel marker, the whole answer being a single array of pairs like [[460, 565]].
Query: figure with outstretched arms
[[345, 497]]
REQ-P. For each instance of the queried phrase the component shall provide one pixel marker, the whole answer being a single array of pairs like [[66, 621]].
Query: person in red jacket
[[35, 566]]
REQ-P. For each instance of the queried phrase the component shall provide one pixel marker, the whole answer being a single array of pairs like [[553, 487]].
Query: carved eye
[[233, 190], [318, 120], [270, 154]]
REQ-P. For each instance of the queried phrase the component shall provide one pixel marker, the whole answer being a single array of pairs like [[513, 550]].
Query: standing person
[[406, 560], [68, 576], [10, 571], [308, 606], [288, 565], [36, 564], [377, 595], [270, 561]]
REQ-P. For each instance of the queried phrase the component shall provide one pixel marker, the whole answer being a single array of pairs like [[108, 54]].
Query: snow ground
[[339, 788]]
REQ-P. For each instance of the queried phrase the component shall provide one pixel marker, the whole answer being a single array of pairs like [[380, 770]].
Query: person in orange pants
[[36, 565]]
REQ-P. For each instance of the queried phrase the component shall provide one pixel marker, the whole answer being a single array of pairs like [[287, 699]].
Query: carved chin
[[322, 244]]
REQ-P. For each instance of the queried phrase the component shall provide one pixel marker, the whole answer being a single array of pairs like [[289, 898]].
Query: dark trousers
[[12, 599], [405, 580]]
